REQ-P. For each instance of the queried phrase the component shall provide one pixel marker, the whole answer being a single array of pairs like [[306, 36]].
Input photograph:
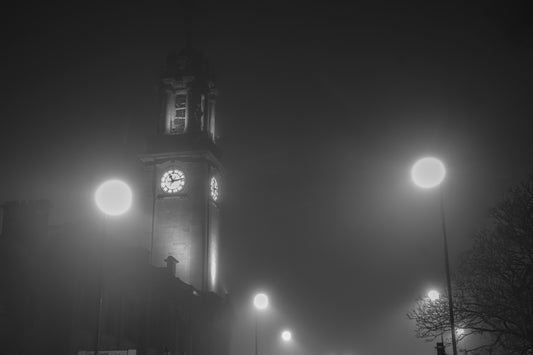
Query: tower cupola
[[188, 95]]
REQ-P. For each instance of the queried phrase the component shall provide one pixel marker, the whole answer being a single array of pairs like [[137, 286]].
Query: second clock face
[[173, 181]]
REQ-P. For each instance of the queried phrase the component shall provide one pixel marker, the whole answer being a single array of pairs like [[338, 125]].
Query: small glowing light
[[459, 331], [214, 188], [433, 295], [261, 301], [428, 172], [113, 197], [286, 335]]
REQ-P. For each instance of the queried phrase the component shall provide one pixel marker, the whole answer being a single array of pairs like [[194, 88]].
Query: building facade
[[68, 290]]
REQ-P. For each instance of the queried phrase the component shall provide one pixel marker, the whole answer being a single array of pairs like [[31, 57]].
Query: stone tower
[[184, 162]]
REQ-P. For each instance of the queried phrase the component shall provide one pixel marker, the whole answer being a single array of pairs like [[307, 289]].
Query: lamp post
[[286, 337], [428, 173], [433, 296], [113, 198], [260, 303]]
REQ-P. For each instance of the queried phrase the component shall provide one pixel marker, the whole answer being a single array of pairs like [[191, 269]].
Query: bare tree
[[493, 289]]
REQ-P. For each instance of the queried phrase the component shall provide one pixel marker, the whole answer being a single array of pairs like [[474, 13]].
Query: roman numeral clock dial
[[172, 181]]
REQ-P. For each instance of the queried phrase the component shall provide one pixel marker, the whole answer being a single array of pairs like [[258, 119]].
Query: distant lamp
[[459, 331], [428, 172], [433, 295], [286, 336], [261, 301], [113, 197]]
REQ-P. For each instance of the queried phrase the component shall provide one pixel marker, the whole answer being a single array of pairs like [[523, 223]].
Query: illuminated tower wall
[[184, 167]]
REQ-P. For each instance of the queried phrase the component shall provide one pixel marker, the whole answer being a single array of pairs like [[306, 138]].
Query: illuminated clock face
[[172, 181], [214, 188]]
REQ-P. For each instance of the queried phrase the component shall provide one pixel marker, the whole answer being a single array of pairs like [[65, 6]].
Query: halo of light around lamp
[[433, 295], [113, 197], [286, 335], [261, 301], [428, 172]]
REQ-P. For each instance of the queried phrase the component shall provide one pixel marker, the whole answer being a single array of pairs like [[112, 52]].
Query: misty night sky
[[322, 110]]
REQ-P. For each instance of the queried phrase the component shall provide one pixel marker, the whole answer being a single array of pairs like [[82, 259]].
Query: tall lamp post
[[429, 173], [260, 303], [113, 198]]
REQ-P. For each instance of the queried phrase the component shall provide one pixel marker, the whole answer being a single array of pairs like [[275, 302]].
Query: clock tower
[[183, 162]]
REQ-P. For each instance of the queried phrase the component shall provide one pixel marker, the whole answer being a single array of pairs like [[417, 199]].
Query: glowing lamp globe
[[113, 197], [428, 172], [261, 301], [286, 335], [459, 331], [433, 295]]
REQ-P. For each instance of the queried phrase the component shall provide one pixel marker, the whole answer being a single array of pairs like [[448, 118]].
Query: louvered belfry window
[[180, 117]]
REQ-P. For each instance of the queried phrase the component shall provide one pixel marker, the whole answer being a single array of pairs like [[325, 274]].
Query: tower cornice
[[183, 147], [191, 155]]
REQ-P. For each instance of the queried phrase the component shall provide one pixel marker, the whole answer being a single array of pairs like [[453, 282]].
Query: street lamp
[[113, 198], [460, 335], [260, 303], [286, 336], [427, 173], [433, 295]]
